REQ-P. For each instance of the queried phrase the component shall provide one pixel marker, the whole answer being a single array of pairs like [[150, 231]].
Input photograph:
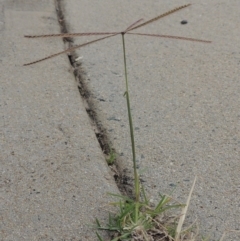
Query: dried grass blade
[[224, 234], [133, 24], [160, 16], [63, 35], [183, 213], [228, 231], [69, 50], [172, 37]]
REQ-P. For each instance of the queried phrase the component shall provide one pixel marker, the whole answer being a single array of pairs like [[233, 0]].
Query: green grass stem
[[136, 176]]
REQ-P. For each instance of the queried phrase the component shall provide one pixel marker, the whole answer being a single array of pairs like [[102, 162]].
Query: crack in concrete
[[122, 179], [79, 76]]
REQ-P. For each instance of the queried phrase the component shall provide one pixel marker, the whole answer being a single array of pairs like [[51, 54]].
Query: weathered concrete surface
[[53, 177], [185, 98]]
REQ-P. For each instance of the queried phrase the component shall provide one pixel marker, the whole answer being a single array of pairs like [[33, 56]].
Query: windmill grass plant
[[137, 219]]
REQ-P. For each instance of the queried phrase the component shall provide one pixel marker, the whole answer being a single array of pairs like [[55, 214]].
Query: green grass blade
[[127, 209], [99, 237], [144, 196], [162, 202], [121, 196], [98, 223], [124, 236], [155, 212]]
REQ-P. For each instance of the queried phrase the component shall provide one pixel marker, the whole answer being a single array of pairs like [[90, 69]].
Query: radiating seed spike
[[111, 34], [172, 37], [69, 50], [133, 24], [160, 16], [69, 34]]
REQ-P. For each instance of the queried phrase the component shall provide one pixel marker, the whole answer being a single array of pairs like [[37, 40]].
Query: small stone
[[184, 22]]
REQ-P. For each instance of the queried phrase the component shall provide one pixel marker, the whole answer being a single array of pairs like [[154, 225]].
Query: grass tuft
[[111, 157]]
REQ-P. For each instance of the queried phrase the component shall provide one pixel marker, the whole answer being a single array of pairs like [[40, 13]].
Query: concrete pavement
[[53, 175], [185, 98]]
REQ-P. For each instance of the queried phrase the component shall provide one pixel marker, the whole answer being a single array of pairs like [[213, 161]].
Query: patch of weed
[[111, 157]]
